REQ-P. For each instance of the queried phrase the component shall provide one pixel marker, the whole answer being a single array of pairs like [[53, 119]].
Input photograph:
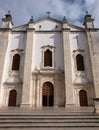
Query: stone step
[[10, 120], [49, 120], [69, 124], [46, 114], [49, 116], [46, 110], [44, 119]]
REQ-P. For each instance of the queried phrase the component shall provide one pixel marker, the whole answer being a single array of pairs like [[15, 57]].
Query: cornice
[[30, 29], [65, 29], [6, 29], [91, 29], [13, 84]]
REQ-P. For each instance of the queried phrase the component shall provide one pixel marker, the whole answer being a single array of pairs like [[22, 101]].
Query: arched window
[[48, 58], [80, 62], [16, 62]]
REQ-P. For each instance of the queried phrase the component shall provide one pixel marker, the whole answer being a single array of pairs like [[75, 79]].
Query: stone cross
[[48, 13]]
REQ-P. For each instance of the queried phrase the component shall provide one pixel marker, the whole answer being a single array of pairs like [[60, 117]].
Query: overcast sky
[[74, 10]]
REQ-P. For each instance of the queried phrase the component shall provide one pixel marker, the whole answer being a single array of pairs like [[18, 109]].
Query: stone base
[[96, 108], [25, 105], [69, 105]]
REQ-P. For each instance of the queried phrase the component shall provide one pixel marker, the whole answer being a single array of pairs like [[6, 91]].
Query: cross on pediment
[[48, 13]]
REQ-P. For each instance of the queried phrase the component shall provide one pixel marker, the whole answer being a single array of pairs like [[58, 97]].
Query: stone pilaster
[[93, 44], [56, 91], [38, 92], [92, 37], [59, 89], [27, 78], [67, 65], [4, 40], [33, 92], [4, 43]]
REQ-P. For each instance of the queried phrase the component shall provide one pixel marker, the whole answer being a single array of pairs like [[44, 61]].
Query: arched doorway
[[48, 94], [12, 98], [83, 98]]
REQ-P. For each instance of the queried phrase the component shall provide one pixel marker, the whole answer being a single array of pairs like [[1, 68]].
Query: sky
[[74, 10]]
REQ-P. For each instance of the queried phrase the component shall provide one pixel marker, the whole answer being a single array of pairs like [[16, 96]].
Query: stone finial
[[31, 19], [65, 20], [8, 11], [31, 22], [8, 15], [88, 20], [7, 21], [87, 12]]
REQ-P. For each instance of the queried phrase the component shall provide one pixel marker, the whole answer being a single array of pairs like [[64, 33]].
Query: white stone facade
[[56, 81]]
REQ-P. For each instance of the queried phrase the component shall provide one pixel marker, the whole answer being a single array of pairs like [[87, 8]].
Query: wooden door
[[83, 98], [48, 94], [12, 98]]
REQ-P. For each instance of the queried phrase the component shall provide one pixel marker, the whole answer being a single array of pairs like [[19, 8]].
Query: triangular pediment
[[48, 24], [48, 19]]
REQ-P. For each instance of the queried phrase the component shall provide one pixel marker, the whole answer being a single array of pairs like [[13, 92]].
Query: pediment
[[49, 19], [48, 24]]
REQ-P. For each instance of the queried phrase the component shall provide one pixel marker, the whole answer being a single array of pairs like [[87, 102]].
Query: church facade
[[49, 63]]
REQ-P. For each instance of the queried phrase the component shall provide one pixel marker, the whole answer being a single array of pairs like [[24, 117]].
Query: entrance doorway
[[48, 94], [83, 98], [12, 98]]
